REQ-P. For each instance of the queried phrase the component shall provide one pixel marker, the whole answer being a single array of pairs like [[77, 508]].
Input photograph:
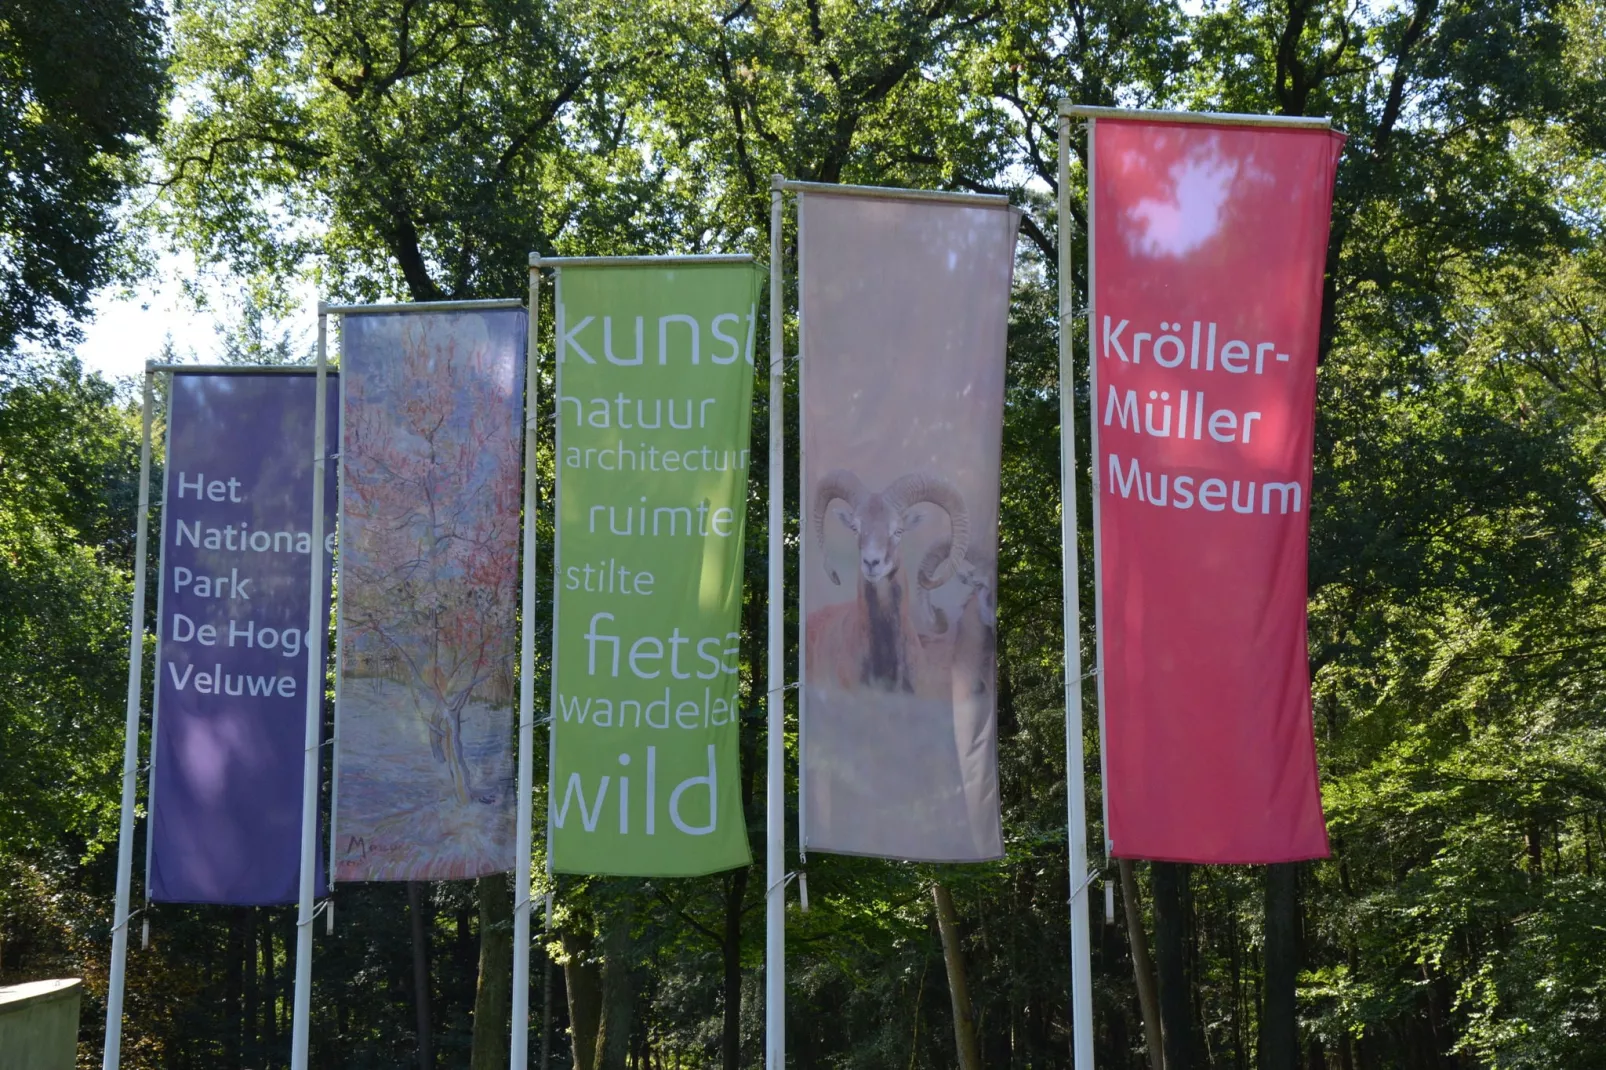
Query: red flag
[[1208, 251]]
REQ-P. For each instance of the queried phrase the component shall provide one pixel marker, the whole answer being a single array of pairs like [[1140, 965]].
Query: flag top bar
[[1212, 118], [893, 193], [421, 306], [233, 369], [657, 260]]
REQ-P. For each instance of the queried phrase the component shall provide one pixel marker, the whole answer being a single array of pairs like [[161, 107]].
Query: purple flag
[[231, 660]]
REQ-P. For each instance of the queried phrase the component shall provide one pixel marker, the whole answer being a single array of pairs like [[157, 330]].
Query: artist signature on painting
[[360, 848]]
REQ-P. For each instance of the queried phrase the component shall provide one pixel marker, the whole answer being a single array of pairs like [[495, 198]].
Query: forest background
[[420, 149]]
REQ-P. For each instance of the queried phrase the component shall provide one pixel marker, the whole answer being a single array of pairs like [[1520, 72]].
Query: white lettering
[[1113, 340], [713, 800], [1121, 409], [588, 816], [566, 339]]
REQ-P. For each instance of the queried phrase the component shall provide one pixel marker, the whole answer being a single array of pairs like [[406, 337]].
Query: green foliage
[[68, 481], [421, 148], [80, 82], [299, 142], [67, 475]]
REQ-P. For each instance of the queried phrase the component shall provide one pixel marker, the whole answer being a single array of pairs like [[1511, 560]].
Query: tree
[[68, 468], [450, 138], [421, 147], [69, 474], [81, 84], [432, 462]]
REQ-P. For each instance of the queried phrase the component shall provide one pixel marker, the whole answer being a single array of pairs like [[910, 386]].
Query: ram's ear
[[850, 521], [912, 517]]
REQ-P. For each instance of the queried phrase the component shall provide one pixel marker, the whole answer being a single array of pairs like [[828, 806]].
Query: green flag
[[655, 390]]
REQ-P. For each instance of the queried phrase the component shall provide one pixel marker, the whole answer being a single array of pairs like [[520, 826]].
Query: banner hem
[[1200, 861], [652, 876], [907, 858]]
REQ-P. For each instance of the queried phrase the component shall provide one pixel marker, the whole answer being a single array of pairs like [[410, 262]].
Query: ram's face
[[987, 603], [880, 529]]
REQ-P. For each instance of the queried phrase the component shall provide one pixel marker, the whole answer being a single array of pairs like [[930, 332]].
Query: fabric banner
[[655, 388], [904, 311], [1209, 246], [232, 639], [429, 584]]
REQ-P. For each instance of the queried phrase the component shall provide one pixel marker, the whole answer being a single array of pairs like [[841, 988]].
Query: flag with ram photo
[[904, 307]]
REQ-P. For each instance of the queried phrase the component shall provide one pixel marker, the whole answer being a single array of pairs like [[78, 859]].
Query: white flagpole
[[774, 682], [519, 1054], [1076, 816], [318, 632], [156, 696], [112, 1053]]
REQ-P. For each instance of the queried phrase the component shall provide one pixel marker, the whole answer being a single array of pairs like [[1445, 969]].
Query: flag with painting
[[429, 576]]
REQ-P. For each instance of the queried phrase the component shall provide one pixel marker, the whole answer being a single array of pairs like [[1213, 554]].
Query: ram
[[961, 657], [966, 644], [873, 641]]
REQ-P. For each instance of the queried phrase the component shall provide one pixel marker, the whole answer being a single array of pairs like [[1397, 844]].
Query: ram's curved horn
[[839, 483], [914, 488]]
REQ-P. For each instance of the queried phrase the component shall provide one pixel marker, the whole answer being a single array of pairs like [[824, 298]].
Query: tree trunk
[[1279, 1030], [618, 993], [493, 999], [270, 995], [731, 1033], [1142, 965], [582, 982], [249, 1019], [415, 911], [547, 981], [959, 992], [1239, 1012], [465, 954], [1192, 970], [287, 940], [233, 1019], [1176, 1019]]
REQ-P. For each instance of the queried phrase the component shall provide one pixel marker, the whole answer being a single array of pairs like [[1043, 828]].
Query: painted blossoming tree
[[433, 485]]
